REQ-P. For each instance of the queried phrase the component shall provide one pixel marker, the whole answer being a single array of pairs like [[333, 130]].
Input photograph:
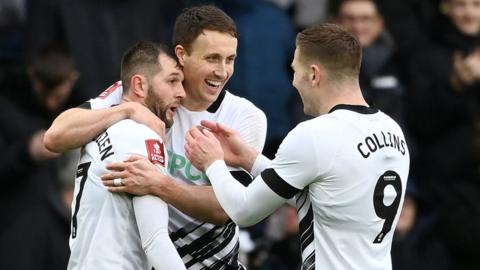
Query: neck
[[194, 105], [129, 97], [341, 93]]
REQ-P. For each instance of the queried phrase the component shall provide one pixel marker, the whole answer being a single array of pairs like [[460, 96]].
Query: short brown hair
[[142, 58], [194, 20], [334, 47]]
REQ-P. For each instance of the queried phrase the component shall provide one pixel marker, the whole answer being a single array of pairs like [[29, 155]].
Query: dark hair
[[334, 47], [52, 66], [194, 20], [142, 58]]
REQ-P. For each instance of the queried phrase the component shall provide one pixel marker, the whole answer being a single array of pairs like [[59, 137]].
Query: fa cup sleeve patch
[[155, 151], [110, 90]]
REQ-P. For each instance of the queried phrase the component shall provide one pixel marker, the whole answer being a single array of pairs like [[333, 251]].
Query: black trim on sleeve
[[278, 185], [85, 105], [243, 177]]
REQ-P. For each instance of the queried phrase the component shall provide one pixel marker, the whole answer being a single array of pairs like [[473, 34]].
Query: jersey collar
[[356, 108], [216, 104]]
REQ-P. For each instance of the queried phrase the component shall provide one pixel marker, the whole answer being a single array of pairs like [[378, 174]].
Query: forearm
[[76, 127], [196, 201], [244, 205]]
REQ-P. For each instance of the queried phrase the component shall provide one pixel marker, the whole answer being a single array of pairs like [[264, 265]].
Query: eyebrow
[[175, 73]]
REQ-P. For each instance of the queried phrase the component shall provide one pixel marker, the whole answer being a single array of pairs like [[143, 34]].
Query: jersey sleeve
[[251, 123], [244, 205], [252, 126], [110, 97], [296, 165], [151, 213]]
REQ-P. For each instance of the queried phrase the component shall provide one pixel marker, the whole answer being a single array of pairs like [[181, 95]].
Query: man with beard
[[117, 231], [205, 41]]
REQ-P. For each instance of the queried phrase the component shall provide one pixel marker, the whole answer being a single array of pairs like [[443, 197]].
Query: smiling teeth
[[214, 83]]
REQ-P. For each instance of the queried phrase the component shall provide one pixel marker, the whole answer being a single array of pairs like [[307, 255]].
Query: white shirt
[[347, 171], [202, 244], [105, 234]]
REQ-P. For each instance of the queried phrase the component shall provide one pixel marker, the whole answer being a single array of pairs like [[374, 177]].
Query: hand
[[472, 63], [143, 115], [138, 175], [407, 217], [236, 152], [466, 70], [37, 149], [202, 148]]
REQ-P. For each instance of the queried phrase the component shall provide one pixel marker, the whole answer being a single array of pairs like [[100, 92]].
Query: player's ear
[[138, 85], [180, 52], [317, 74]]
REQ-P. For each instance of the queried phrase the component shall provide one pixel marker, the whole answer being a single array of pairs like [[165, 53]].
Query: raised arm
[[75, 127]]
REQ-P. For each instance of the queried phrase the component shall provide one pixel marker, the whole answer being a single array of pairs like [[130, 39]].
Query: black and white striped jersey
[[201, 244]]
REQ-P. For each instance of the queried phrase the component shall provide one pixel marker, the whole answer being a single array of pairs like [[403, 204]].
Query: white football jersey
[[351, 167], [202, 244], [104, 225]]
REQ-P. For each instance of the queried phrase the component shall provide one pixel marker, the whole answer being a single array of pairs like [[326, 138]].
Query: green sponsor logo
[[180, 166]]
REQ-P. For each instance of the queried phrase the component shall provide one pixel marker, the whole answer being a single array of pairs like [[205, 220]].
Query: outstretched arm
[[76, 127], [244, 205], [141, 177]]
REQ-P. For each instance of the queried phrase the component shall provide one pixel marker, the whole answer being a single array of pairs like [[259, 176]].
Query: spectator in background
[[444, 117], [262, 66], [35, 221], [97, 33], [12, 34], [379, 81]]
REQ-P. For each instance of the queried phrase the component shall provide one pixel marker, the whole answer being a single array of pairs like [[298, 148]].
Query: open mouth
[[213, 84]]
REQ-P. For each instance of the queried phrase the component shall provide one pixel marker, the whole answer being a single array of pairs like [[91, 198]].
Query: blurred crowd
[[421, 65]]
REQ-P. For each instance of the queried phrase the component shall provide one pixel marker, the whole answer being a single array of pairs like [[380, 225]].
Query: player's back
[[355, 200], [104, 231]]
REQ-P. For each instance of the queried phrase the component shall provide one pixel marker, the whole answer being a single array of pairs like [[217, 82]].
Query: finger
[[209, 124], [117, 189], [116, 166], [224, 129], [209, 134], [108, 183], [195, 132], [189, 138], [113, 175], [133, 158]]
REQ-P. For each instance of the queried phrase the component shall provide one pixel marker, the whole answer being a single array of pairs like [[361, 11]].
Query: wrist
[[249, 159], [163, 187], [127, 109]]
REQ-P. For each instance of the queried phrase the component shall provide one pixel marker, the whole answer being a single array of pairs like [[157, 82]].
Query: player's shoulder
[[128, 129], [109, 97], [242, 106]]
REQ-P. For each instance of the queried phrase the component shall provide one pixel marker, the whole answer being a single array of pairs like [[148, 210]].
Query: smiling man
[[206, 44]]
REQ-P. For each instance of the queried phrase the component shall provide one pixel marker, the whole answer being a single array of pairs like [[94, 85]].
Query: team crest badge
[[155, 151]]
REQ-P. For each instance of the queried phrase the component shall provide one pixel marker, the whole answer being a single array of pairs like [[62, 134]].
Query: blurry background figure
[[97, 33], [13, 15], [380, 84], [444, 116], [305, 12], [35, 205]]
